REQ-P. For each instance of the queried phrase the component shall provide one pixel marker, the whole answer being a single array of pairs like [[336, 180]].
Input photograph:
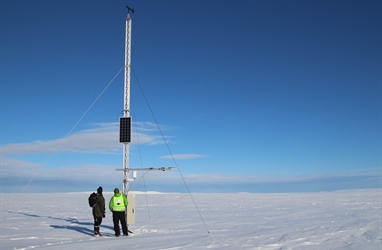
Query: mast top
[[129, 9]]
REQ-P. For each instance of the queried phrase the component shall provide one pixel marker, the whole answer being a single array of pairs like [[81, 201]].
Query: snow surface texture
[[327, 220]]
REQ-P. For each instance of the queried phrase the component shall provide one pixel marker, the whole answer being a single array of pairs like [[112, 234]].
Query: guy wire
[[141, 162], [70, 132], [172, 156]]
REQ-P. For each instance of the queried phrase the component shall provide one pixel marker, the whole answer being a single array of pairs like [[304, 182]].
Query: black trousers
[[97, 223], [119, 217]]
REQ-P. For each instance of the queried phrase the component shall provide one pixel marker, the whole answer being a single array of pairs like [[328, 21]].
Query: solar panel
[[124, 129]]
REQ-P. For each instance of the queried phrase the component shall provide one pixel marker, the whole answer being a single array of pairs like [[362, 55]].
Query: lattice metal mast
[[126, 126], [125, 123]]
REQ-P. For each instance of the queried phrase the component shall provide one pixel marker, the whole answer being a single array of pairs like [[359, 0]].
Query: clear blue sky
[[259, 96]]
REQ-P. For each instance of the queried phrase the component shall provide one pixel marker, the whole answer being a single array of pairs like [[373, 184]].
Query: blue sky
[[257, 96]]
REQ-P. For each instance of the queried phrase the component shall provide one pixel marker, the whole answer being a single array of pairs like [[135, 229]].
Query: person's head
[[100, 190], [116, 190]]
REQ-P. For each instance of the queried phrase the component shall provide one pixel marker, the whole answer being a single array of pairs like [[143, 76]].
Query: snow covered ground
[[327, 220]]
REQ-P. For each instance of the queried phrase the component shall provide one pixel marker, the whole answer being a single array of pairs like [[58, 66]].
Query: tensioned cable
[[172, 156], [70, 132], [141, 162]]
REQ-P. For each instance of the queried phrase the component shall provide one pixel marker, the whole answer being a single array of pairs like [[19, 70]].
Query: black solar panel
[[124, 129]]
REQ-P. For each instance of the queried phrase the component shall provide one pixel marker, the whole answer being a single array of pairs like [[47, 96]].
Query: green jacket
[[99, 207], [118, 203]]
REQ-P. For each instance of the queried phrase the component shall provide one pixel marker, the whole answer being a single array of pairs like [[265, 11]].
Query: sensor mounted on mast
[[129, 9]]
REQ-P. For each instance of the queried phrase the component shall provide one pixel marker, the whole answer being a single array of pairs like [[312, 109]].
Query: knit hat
[[116, 190], [99, 190]]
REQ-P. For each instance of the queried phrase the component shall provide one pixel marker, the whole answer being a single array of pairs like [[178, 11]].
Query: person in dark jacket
[[98, 211], [117, 206]]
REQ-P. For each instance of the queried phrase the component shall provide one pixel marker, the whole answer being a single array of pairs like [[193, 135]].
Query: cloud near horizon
[[24, 160], [103, 138], [19, 173]]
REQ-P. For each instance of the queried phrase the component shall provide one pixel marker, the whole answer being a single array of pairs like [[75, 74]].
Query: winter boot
[[98, 232]]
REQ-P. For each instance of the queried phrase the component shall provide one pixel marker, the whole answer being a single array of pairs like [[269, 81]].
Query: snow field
[[328, 220]]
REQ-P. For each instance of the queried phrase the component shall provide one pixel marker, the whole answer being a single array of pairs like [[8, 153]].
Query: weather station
[[125, 131]]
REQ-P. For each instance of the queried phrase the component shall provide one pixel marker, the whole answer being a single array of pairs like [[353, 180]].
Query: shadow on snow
[[78, 227]]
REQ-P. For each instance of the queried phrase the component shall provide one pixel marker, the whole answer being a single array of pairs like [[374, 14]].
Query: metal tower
[[125, 124], [126, 110]]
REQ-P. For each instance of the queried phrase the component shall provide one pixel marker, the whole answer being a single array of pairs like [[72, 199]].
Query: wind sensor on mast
[[129, 9]]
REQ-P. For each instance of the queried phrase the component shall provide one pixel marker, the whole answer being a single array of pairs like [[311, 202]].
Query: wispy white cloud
[[224, 179], [20, 168], [11, 168], [149, 133], [183, 156], [174, 181], [102, 138]]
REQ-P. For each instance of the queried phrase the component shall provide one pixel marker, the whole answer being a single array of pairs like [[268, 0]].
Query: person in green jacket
[[98, 211], [117, 206]]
